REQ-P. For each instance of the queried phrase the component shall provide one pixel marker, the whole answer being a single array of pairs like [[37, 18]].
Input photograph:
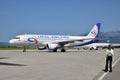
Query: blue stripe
[[98, 25]]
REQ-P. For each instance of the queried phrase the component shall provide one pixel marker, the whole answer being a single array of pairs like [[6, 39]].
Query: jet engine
[[52, 46]]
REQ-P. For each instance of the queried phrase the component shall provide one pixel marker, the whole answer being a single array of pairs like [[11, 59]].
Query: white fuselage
[[41, 40], [53, 42]]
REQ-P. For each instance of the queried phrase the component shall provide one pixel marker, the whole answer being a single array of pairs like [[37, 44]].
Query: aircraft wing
[[72, 40]]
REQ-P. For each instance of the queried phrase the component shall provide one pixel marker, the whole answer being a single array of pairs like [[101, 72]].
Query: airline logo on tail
[[95, 32]]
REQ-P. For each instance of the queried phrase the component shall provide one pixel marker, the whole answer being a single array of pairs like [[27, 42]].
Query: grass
[[20, 48], [12, 48]]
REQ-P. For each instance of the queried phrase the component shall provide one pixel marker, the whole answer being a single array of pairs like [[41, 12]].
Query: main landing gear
[[55, 50], [62, 50]]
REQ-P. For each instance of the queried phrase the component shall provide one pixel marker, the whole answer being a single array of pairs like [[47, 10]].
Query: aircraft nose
[[11, 41]]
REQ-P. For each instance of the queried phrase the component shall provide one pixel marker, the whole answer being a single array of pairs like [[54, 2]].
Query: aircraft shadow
[[47, 51], [11, 64], [4, 57]]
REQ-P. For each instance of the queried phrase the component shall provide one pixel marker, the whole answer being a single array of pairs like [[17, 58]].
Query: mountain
[[113, 36]]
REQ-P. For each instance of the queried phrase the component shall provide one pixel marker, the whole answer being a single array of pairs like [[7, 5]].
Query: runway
[[44, 65]]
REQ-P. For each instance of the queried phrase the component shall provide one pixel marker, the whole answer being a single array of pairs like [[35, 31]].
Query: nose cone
[[11, 41]]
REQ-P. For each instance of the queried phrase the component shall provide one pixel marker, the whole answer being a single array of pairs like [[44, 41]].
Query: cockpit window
[[16, 37]]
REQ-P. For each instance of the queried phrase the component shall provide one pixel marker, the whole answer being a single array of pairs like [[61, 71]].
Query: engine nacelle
[[52, 46], [41, 48]]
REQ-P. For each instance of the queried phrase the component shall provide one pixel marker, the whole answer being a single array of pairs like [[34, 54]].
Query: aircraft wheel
[[90, 48], [54, 50], [24, 49], [62, 50]]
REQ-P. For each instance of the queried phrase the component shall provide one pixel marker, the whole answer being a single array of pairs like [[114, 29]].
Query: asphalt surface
[[115, 75], [44, 65]]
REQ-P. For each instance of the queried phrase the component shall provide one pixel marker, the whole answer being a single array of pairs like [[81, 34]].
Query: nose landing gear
[[24, 49]]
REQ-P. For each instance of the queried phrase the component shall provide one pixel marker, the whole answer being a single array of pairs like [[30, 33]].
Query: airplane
[[95, 46], [54, 42]]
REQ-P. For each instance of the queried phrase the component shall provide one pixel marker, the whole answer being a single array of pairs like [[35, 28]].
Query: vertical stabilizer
[[95, 31]]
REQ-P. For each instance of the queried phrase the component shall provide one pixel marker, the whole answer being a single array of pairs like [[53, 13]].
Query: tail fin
[[108, 41], [95, 31]]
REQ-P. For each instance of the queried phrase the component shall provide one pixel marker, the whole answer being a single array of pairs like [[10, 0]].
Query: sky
[[59, 17]]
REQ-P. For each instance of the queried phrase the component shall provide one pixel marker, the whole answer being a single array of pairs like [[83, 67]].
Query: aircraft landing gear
[[54, 50], [62, 50], [24, 49]]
